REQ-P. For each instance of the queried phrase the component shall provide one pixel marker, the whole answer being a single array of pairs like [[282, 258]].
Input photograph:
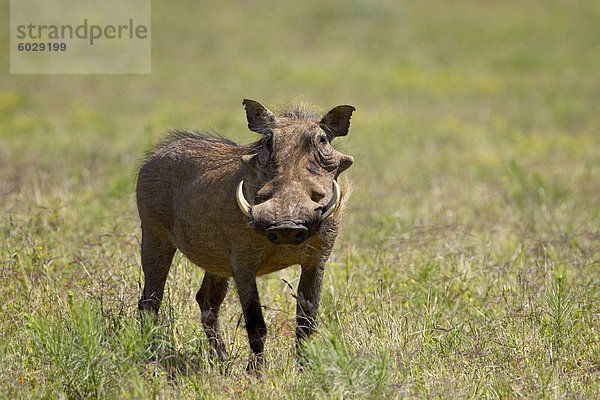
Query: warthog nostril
[[287, 233], [299, 235], [273, 238]]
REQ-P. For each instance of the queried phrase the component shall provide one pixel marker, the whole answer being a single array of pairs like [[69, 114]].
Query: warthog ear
[[337, 121], [259, 116]]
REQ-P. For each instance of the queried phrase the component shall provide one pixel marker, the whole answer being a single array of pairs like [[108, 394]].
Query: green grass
[[469, 261]]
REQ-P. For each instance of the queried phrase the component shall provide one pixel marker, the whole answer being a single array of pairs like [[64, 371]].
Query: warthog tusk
[[241, 200], [333, 203]]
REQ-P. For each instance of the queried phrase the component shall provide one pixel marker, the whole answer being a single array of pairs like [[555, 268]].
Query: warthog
[[244, 211]]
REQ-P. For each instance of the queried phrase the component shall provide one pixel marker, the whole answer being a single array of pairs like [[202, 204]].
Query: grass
[[468, 262]]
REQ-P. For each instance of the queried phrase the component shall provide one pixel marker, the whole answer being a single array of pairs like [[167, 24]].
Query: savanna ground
[[469, 260]]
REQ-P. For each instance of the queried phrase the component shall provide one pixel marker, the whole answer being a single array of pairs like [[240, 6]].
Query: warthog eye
[[264, 154], [323, 145], [325, 152]]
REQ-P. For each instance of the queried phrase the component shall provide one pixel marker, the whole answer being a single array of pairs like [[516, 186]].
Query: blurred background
[[477, 172]]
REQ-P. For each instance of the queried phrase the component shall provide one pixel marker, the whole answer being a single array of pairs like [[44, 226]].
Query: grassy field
[[469, 262]]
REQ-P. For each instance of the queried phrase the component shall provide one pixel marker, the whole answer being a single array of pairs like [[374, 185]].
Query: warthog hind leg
[[209, 298], [157, 254]]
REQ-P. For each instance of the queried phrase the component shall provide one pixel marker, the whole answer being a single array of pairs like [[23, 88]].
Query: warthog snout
[[287, 232]]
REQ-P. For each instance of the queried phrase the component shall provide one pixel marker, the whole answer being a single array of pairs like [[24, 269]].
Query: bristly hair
[[175, 135], [212, 136], [300, 111]]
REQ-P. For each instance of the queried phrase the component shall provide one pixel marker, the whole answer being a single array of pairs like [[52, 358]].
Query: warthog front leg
[[245, 280], [157, 254], [308, 297], [209, 298]]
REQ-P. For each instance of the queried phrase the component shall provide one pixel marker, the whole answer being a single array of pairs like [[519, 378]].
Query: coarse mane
[[175, 135], [204, 137], [300, 111]]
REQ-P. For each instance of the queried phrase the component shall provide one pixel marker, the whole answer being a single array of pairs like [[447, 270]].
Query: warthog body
[[244, 211]]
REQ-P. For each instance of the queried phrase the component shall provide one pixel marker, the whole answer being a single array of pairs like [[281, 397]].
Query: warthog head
[[291, 187]]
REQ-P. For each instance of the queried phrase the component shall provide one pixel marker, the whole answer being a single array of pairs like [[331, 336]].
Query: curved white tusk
[[329, 208], [241, 200]]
